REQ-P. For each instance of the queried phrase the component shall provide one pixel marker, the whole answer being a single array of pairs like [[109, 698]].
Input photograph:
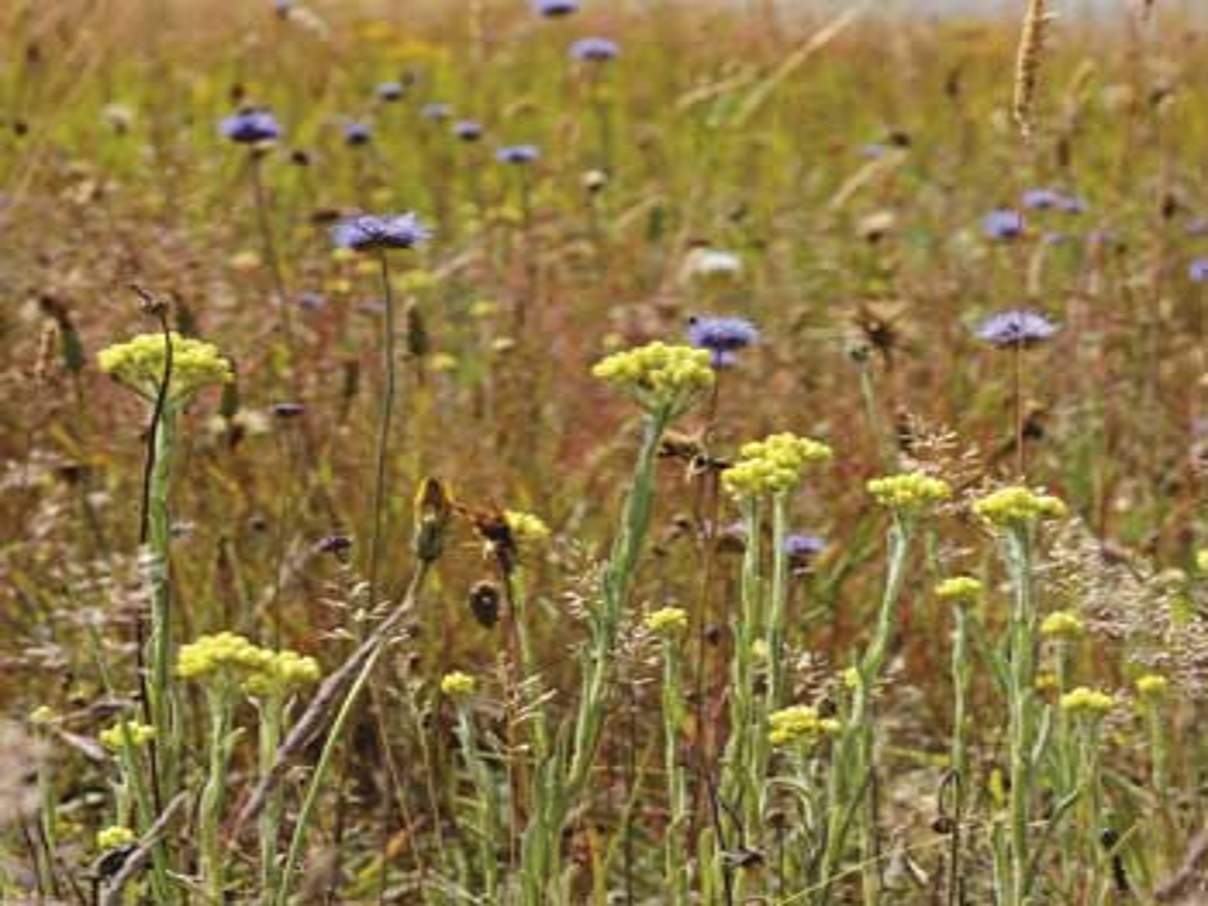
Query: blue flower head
[[802, 548], [389, 91], [1041, 199], [467, 130], [1003, 223], [435, 111], [518, 154], [722, 336], [552, 8], [357, 134], [594, 50], [1017, 327], [250, 125], [368, 232], [1198, 271]]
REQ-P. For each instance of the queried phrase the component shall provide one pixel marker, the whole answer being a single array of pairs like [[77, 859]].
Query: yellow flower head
[[759, 651], [1153, 686], [1017, 506], [283, 673], [114, 738], [1201, 560], [1089, 702], [798, 724], [42, 715], [667, 621], [114, 836], [774, 465], [909, 492], [660, 378], [526, 528], [139, 364], [959, 590], [220, 657], [458, 684], [1061, 624]]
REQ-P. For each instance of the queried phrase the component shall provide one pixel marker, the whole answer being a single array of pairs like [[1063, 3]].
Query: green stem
[[383, 438], [213, 859]]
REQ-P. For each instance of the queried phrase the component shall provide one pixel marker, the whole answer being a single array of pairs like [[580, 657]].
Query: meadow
[[508, 452]]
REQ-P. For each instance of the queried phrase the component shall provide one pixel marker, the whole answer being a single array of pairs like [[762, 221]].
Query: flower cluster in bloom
[[798, 724], [1090, 702], [227, 657], [594, 50], [1016, 327], [526, 527], [114, 836], [1016, 506], [114, 738], [909, 491], [1152, 686], [658, 376], [774, 465], [139, 364], [959, 589], [667, 621], [458, 684], [369, 233], [518, 154], [250, 126], [1061, 624], [1003, 224], [723, 337]]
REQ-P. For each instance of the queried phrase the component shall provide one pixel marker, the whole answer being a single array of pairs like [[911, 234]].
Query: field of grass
[[752, 458]]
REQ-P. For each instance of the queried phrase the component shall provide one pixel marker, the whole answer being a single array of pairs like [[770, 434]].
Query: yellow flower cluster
[[228, 656], [959, 590], [1091, 702], [667, 621], [773, 465], [658, 376], [798, 724], [458, 684], [1152, 686], [114, 836], [909, 491], [139, 364], [526, 528], [1201, 560], [1015, 506], [114, 738], [1061, 624]]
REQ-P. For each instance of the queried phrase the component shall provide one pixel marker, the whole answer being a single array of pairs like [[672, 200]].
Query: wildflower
[[467, 130], [774, 465], [1016, 327], [959, 590], [594, 50], [723, 337], [798, 724], [1041, 199], [667, 621], [42, 715], [707, 265], [114, 837], [458, 684], [909, 491], [594, 180], [851, 678], [250, 126], [1090, 702], [334, 544], [1198, 271], [518, 154], [552, 8], [139, 364], [1152, 686], [1201, 560], [1061, 624], [525, 527], [356, 134], [222, 656], [389, 91], [119, 117], [659, 377], [435, 111], [1014, 506], [369, 232], [284, 672], [114, 738], [760, 653], [1045, 682], [801, 548], [1003, 224], [1072, 204]]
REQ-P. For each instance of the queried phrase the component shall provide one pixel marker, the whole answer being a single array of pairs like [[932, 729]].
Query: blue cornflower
[[802, 548], [1016, 327], [552, 8], [435, 111], [1003, 223], [390, 91], [594, 50], [1041, 199], [1198, 271], [357, 134], [368, 232], [722, 336], [250, 125], [1073, 204], [467, 130], [518, 154]]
